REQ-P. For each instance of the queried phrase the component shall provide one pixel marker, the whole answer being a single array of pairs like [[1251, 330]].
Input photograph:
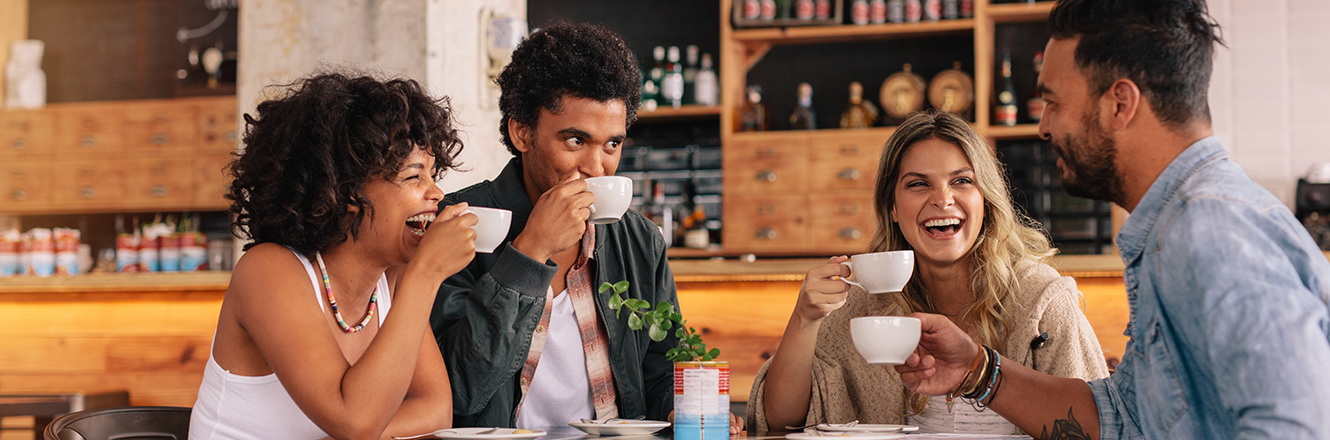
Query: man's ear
[[1123, 100], [520, 135]]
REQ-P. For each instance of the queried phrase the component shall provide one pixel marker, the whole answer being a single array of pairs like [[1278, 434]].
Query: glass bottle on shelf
[[858, 113], [822, 9], [690, 68], [933, 10], [671, 88], [804, 9], [951, 9], [859, 12], [877, 11], [1005, 114], [693, 230], [913, 10], [803, 117], [896, 11], [662, 214], [650, 95], [768, 9], [1035, 106], [705, 89], [752, 9], [658, 68], [753, 116]]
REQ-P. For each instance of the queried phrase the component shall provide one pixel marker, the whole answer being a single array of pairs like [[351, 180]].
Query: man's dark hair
[[1165, 46], [577, 59], [310, 152]]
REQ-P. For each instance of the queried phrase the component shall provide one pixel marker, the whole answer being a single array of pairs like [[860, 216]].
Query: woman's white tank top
[[249, 407]]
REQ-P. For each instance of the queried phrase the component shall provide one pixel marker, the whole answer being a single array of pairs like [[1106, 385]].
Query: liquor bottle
[[858, 113], [650, 94], [662, 214], [691, 54], [896, 11], [804, 9], [768, 9], [967, 8], [693, 229], [1035, 106], [822, 9], [705, 89], [877, 11], [933, 10], [951, 9], [859, 12], [1005, 113], [752, 9], [753, 116], [803, 117], [671, 88]]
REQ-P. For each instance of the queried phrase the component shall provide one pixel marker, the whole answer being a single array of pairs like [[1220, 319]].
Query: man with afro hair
[[568, 97]]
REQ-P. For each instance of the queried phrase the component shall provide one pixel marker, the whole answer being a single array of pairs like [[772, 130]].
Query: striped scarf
[[594, 341]]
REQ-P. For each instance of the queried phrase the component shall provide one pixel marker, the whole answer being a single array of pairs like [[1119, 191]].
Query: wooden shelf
[[667, 113], [775, 135], [849, 33], [1022, 131], [1020, 12]]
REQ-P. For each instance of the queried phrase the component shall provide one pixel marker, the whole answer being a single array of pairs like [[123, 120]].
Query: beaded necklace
[[327, 287]]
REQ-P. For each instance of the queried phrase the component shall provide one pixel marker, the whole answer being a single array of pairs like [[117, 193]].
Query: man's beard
[[1090, 170]]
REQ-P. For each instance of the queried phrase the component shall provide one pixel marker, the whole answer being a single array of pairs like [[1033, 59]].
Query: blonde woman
[[941, 193]]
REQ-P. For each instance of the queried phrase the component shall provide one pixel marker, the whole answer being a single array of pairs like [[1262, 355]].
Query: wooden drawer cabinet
[[24, 186], [845, 161], [156, 126], [775, 223], [767, 166], [841, 223], [88, 130], [25, 134], [161, 155], [90, 184]]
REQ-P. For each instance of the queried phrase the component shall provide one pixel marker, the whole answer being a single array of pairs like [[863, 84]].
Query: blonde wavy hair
[[1006, 236]]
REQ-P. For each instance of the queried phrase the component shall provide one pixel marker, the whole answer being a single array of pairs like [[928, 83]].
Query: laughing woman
[[324, 331], [941, 193]]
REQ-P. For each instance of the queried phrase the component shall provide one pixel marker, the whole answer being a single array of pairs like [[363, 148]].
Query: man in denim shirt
[[1229, 296]]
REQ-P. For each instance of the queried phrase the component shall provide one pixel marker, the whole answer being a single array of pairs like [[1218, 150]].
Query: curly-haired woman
[[940, 192], [336, 188]]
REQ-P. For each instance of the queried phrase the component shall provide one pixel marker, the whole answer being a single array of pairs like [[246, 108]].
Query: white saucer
[[621, 427], [474, 434], [844, 435], [866, 427]]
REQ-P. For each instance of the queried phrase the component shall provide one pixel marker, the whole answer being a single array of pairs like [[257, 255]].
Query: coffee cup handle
[[847, 279], [592, 208]]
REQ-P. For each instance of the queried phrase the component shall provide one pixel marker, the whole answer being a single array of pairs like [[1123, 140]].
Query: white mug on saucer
[[613, 195], [885, 340], [491, 227], [880, 272]]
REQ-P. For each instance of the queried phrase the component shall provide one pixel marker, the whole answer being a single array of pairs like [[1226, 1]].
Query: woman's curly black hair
[[309, 153], [583, 60]]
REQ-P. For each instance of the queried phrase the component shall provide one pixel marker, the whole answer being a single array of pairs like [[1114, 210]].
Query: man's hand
[[945, 353], [557, 221]]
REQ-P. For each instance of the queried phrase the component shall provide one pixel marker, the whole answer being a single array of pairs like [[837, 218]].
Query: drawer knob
[[88, 192], [159, 139], [157, 191], [765, 176], [851, 233], [850, 174], [20, 144], [19, 194], [849, 150], [849, 209], [765, 234], [88, 142]]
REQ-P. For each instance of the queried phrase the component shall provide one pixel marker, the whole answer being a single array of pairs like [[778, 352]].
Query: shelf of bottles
[[1076, 225], [678, 187]]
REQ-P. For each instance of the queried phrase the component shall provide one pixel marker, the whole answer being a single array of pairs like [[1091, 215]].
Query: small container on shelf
[[754, 13]]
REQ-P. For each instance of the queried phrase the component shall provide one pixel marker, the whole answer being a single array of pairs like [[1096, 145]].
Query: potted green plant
[[701, 383]]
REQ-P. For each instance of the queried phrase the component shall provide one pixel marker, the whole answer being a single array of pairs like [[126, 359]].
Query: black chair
[[124, 423]]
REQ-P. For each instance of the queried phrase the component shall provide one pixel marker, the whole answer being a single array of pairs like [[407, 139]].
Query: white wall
[[1270, 93], [436, 42]]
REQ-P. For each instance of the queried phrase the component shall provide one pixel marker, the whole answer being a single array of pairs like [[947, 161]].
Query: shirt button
[[540, 329]]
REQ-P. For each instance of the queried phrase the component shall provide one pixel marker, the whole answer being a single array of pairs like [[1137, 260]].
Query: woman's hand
[[823, 291], [449, 243]]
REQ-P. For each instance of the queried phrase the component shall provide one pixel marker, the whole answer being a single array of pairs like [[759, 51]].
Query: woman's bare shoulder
[[268, 267]]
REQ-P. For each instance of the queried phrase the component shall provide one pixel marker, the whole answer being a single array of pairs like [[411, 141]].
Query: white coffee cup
[[491, 227], [613, 195], [885, 340], [880, 272]]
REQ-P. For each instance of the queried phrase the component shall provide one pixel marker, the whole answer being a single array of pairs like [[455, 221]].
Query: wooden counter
[[151, 333]]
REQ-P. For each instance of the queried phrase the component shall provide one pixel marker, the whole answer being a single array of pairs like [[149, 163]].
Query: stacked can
[[9, 244], [127, 252], [41, 252], [66, 251], [193, 252], [702, 400]]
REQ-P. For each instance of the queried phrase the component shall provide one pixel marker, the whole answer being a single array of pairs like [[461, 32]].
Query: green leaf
[[634, 321], [604, 287], [665, 305], [677, 318], [666, 325], [656, 333], [639, 304], [679, 333], [615, 301], [621, 287], [714, 353]]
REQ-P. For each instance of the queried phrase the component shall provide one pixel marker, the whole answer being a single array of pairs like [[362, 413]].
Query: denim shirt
[[1230, 312]]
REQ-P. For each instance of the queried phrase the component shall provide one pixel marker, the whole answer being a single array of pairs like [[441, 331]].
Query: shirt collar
[[1131, 239]]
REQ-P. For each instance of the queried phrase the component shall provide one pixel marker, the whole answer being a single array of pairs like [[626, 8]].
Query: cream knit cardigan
[[845, 387]]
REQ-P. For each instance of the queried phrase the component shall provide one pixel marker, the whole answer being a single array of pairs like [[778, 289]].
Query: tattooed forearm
[[1066, 429]]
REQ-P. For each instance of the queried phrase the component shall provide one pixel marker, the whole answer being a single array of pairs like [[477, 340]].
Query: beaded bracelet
[[997, 369], [986, 379]]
